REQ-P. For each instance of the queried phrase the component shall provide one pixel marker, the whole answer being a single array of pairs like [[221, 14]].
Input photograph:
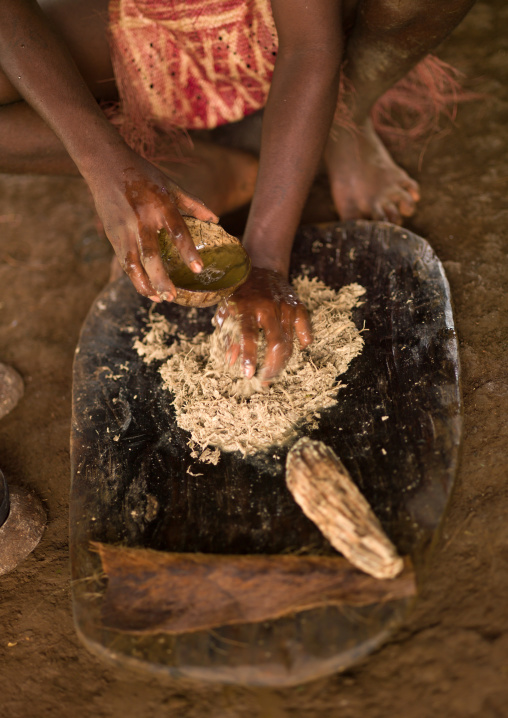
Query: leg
[[223, 178], [388, 38]]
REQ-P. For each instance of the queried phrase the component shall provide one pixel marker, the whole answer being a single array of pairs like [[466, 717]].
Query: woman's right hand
[[265, 302], [134, 200]]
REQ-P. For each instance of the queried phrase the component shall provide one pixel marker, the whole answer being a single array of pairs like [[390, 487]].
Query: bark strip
[[158, 592]]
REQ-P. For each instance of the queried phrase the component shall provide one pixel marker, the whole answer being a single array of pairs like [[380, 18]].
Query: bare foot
[[365, 181], [222, 177]]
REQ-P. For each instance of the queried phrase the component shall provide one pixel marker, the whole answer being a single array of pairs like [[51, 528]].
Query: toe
[[386, 211], [405, 202], [378, 213], [412, 188]]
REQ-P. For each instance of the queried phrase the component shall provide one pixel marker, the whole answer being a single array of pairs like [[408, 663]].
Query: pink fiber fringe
[[170, 145], [413, 109]]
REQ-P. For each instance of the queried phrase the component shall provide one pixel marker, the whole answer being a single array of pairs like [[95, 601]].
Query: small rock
[[22, 530], [11, 389]]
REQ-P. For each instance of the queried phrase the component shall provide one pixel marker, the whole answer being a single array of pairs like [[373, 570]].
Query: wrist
[[269, 248], [108, 167], [264, 257], [98, 150]]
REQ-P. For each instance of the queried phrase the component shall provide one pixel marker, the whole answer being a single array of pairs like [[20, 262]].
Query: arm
[[297, 120], [296, 124], [133, 198]]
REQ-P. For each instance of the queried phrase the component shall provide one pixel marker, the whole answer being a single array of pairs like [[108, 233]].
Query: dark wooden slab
[[396, 428], [4, 499]]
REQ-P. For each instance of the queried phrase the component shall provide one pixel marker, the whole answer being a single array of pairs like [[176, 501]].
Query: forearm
[[38, 64], [297, 120]]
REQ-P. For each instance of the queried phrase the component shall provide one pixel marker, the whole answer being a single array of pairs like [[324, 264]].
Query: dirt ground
[[451, 656]]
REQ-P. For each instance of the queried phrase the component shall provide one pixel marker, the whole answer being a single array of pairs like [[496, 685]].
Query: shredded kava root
[[223, 410]]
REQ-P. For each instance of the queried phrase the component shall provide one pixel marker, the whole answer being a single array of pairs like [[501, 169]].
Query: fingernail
[[196, 266], [155, 298], [167, 296], [249, 370]]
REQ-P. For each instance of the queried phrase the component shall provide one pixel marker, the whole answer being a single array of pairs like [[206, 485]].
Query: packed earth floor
[[450, 658]]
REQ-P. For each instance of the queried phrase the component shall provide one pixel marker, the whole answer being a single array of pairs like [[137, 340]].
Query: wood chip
[[11, 389], [324, 490]]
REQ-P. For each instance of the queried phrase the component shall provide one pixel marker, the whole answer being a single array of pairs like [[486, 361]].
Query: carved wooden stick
[[323, 488]]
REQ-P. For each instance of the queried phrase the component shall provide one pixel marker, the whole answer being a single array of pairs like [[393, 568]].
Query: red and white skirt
[[198, 64]]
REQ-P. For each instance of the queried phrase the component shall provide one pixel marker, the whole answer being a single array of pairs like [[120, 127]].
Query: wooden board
[[4, 499], [396, 428]]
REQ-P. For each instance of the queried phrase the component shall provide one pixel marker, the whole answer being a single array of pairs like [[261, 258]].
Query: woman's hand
[[134, 201], [266, 301]]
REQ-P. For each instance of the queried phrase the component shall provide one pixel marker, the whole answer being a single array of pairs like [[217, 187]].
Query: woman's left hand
[[266, 301]]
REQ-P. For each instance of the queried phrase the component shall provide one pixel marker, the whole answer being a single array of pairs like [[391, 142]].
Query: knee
[[398, 14]]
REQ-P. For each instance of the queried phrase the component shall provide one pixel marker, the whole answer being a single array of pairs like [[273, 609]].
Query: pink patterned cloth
[[192, 64], [197, 64]]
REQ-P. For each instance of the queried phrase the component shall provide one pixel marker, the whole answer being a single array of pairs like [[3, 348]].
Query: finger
[[179, 234], [224, 310], [134, 270], [189, 204], [227, 341], [233, 353], [153, 265], [303, 326], [249, 334], [279, 346]]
